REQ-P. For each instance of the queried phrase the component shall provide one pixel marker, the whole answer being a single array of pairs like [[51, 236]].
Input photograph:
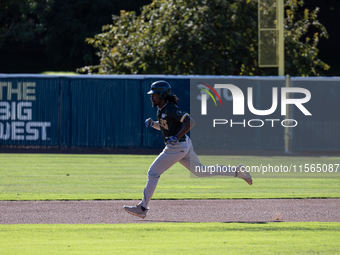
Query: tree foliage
[[58, 26], [217, 37], [71, 21], [301, 50], [21, 21]]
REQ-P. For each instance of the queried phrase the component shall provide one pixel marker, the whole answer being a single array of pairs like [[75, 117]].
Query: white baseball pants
[[183, 153]]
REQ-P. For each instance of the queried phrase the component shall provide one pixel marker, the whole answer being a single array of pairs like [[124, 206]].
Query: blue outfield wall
[[81, 111], [236, 133], [109, 111], [322, 130], [29, 111]]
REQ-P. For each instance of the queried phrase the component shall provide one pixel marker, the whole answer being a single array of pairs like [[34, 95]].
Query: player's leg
[[169, 156], [162, 163], [193, 164]]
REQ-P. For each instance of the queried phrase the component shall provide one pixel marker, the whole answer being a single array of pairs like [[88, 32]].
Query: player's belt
[[182, 139]]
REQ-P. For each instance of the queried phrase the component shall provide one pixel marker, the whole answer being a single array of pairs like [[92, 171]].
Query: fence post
[[287, 136], [59, 113]]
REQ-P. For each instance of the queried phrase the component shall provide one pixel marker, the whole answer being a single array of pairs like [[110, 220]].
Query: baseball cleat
[[242, 173], [136, 210]]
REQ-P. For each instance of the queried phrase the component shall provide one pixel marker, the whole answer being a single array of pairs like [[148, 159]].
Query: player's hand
[[148, 122], [173, 140]]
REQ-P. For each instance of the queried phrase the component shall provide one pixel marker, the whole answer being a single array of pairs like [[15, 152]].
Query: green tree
[[301, 50], [71, 21], [57, 27], [21, 21], [203, 37]]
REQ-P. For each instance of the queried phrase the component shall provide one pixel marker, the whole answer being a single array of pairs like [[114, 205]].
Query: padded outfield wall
[[109, 111]]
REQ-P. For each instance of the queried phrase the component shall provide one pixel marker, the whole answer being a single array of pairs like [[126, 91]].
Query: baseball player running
[[174, 124]]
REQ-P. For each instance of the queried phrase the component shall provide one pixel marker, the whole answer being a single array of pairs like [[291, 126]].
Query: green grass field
[[86, 177], [172, 238]]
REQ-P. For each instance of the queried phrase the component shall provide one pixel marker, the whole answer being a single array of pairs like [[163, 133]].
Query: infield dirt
[[111, 211]]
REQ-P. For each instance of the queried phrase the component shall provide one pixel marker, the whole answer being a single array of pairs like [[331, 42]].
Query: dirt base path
[[243, 210]]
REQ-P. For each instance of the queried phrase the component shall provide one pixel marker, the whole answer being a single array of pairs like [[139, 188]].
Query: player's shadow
[[167, 221], [253, 222], [227, 222]]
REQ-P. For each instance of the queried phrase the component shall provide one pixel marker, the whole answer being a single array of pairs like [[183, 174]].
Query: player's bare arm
[[188, 124], [156, 125]]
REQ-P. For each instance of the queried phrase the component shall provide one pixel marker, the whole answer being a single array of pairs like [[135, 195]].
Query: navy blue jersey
[[170, 119]]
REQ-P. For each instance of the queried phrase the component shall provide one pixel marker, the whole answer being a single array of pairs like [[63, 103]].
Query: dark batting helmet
[[161, 87]]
